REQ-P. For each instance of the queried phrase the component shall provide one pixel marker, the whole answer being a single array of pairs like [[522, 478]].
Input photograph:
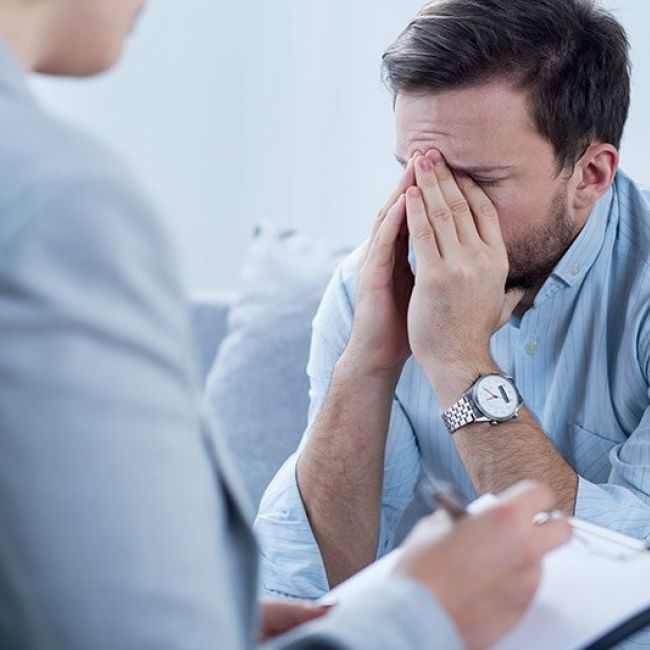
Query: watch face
[[496, 397]]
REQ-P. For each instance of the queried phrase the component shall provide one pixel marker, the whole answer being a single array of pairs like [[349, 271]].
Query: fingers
[[382, 248], [431, 529], [278, 617], [552, 534], [422, 235], [485, 214], [529, 498], [455, 200], [438, 212], [406, 181]]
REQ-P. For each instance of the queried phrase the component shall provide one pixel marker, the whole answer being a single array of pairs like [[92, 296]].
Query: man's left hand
[[459, 300]]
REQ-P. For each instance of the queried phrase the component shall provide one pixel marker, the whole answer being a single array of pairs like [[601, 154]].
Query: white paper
[[582, 596]]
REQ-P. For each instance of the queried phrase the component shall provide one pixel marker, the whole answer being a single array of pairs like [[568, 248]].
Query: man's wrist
[[352, 368], [451, 380]]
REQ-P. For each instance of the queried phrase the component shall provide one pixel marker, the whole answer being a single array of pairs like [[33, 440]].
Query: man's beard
[[534, 257]]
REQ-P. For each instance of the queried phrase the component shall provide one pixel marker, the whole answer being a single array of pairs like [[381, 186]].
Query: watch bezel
[[476, 404]]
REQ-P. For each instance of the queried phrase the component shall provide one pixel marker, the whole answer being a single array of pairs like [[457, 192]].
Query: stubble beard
[[534, 257]]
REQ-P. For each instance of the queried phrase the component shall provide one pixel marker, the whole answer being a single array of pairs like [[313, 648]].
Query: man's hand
[[486, 569], [458, 302], [459, 299], [379, 339], [340, 470], [279, 616]]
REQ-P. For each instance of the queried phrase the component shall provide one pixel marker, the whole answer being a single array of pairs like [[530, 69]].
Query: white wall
[[234, 112]]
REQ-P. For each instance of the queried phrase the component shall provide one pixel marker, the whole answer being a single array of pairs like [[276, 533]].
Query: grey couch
[[253, 356]]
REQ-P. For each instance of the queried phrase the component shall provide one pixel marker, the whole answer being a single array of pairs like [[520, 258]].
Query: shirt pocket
[[588, 453]]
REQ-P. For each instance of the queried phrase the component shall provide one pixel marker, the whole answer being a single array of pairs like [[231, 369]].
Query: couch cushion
[[258, 387]]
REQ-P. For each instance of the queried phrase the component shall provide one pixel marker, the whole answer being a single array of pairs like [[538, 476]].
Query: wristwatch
[[492, 398]]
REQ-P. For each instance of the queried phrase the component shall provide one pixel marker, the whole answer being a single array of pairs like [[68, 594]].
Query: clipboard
[[622, 632], [592, 595]]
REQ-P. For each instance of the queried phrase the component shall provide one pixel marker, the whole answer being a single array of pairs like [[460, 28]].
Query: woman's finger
[[278, 617]]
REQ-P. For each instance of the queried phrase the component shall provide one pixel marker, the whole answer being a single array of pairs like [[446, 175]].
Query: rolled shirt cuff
[[291, 565]]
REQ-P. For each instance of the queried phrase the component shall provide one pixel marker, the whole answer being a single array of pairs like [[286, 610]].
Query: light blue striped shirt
[[580, 358]]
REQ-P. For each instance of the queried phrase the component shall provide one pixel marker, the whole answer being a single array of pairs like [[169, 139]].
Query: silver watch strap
[[459, 414]]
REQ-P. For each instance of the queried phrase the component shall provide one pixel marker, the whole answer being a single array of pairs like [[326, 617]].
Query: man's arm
[[496, 457], [291, 563], [341, 469], [349, 465], [623, 501], [459, 302]]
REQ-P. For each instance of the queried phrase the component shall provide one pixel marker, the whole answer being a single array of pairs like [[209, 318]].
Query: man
[[121, 526], [508, 117]]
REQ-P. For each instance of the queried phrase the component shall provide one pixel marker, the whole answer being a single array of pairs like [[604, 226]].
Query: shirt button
[[575, 270], [532, 346]]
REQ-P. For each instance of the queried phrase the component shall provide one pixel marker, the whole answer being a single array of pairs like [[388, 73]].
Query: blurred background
[[231, 113]]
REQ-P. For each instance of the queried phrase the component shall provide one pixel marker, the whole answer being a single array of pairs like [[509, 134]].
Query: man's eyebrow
[[470, 170]]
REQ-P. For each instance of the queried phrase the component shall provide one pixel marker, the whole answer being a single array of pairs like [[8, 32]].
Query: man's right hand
[[379, 339], [340, 471], [485, 569]]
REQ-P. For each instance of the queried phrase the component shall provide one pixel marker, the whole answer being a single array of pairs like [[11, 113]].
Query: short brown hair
[[571, 55]]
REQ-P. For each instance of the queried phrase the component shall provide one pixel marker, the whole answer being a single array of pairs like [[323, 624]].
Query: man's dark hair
[[570, 55]]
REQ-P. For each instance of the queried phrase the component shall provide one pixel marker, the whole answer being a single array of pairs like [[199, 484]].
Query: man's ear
[[594, 174]]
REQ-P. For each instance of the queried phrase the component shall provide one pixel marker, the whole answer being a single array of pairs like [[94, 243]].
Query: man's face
[[487, 132]]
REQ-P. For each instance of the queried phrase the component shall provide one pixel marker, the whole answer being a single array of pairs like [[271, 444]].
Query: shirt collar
[[582, 254]]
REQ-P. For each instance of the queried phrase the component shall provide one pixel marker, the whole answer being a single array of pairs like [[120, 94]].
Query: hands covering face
[[448, 313], [459, 299]]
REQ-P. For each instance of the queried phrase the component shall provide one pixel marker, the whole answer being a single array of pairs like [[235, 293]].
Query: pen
[[444, 496], [450, 503]]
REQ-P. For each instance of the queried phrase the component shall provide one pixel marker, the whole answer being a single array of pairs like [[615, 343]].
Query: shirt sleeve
[[411, 619], [114, 524], [622, 503], [291, 564]]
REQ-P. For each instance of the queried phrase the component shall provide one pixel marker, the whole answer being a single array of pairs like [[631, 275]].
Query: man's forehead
[[494, 101], [463, 150], [464, 121]]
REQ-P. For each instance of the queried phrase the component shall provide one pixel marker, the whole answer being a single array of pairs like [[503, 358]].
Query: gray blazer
[[121, 523]]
